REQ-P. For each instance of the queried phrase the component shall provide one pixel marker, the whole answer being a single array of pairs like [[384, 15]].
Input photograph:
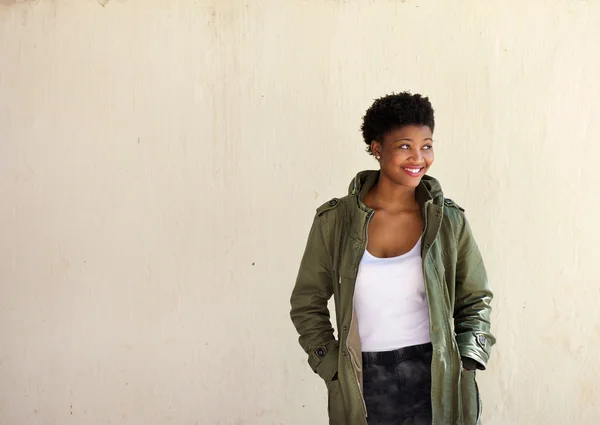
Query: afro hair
[[394, 111]]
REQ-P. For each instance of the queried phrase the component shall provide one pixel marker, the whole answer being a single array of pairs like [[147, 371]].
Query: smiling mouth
[[413, 171]]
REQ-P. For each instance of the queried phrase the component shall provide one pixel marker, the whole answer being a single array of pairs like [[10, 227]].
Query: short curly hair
[[394, 111]]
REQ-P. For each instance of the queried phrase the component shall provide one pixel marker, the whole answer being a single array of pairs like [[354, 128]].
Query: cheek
[[397, 156], [429, 157]]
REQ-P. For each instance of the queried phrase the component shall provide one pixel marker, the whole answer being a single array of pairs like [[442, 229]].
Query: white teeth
[[413, 170]]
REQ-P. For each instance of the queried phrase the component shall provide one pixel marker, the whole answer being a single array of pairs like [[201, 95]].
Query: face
[[405, 154]]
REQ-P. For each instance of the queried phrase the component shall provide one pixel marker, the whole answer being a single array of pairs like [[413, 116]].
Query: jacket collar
[[428, 190], [429, 196]]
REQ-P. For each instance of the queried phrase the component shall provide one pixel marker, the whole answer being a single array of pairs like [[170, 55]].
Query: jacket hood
[[428, 189]]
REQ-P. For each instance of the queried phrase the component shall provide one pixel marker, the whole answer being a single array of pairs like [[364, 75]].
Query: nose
[[417, 155]]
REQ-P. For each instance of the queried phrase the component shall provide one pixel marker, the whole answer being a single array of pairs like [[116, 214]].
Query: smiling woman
[[410, 288], [408, 149]]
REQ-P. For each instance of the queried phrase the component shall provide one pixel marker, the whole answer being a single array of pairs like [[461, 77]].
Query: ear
[[376, 148]]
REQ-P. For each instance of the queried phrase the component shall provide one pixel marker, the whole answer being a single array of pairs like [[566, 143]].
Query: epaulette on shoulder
[[329, 205], [450, 203]]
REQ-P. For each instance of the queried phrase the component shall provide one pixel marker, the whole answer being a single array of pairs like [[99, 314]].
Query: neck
[[388, 193]]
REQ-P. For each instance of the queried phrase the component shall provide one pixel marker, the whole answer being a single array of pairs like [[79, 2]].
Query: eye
[[428, 147], [405, 146]]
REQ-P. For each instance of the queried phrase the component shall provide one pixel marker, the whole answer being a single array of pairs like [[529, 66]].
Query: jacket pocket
[[335, 404], [471, 403]]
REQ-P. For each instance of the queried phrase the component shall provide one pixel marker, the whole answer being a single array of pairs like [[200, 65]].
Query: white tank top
[[390, 302]]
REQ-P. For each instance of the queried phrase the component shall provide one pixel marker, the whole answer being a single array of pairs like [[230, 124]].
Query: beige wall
[[160, 161]]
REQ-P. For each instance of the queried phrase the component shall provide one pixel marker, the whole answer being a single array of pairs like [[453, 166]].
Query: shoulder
[[330, 215], [454, 216], [331, 206], [449, 203]]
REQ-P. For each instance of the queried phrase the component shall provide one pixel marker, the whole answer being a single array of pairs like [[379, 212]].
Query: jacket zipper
[[351, 320]]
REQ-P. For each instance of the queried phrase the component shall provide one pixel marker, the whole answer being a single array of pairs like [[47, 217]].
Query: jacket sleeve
[[472, 307], [310, 295]]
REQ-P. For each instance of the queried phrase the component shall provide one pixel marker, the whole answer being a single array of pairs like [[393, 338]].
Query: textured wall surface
[[160, 162]]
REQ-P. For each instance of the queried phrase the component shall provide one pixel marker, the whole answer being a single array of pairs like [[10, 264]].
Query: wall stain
[[103, 3]]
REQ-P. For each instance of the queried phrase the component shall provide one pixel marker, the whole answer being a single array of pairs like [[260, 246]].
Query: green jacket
[[457, 291]]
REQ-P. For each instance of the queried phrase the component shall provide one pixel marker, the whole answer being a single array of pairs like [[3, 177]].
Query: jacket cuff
[[470, 364], [323, 360], [476, 346]]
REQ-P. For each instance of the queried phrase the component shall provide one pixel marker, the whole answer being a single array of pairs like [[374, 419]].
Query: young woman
[[412, 300]]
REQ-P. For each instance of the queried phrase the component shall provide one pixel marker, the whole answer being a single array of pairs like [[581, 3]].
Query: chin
[[412, 183], [407, 182]]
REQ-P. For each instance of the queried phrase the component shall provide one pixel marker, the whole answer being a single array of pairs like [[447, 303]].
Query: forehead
[[414, 132]]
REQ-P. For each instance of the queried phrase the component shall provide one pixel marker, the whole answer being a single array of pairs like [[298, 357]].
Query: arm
[[309, 312], [472, 307]]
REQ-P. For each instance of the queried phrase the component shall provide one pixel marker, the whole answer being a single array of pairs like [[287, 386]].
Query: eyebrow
[[411, 140]]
